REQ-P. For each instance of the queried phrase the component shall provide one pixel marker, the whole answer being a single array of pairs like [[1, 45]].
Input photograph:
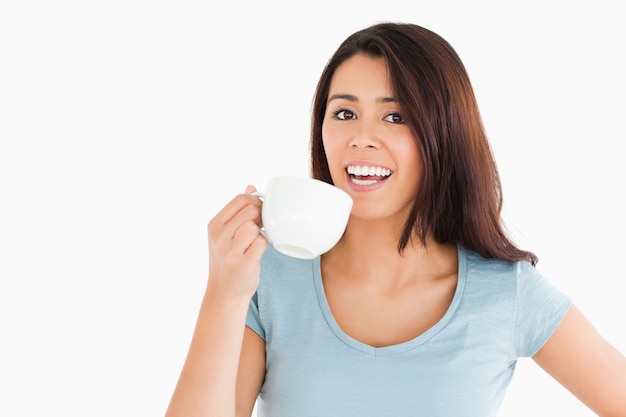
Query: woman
[[424, 305]]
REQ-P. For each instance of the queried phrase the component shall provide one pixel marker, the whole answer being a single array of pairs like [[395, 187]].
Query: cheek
[[410, 147], [328, 133], [331, 144], [411, 156]]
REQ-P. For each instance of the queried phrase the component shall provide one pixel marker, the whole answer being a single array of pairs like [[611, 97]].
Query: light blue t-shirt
[[459, 367]]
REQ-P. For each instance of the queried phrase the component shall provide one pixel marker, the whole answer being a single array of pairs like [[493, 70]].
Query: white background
[[126, 125]]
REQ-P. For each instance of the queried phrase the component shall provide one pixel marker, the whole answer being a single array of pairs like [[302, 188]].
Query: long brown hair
[[460, 195]]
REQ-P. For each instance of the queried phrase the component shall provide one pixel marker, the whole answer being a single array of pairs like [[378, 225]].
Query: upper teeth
[[368, 170]]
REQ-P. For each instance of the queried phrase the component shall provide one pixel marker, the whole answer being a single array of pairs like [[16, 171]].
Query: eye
[[344, 114], [394, 118]]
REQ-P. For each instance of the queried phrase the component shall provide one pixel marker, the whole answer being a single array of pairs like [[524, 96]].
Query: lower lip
[[365, 188]]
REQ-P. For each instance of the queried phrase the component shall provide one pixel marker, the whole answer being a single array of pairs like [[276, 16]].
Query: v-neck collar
[[400, 347]]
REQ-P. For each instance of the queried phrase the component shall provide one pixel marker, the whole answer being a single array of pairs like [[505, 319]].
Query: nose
[[365, 136]]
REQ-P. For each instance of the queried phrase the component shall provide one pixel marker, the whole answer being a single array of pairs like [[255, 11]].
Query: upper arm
[[581, 360], [251, 372]]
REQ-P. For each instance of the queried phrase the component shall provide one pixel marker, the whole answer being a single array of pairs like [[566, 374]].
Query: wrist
[[216, 293]]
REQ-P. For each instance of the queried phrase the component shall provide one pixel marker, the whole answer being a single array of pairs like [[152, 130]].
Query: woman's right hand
[[236, 246], [208, 382]]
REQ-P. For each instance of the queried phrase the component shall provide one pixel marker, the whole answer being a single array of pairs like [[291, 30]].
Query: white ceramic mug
[[303, 217]]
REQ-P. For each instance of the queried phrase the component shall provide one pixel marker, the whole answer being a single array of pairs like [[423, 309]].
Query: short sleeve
[[253, 319], [540, 309]]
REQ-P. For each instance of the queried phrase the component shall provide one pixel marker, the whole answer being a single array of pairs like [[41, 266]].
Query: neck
[[369, 250]]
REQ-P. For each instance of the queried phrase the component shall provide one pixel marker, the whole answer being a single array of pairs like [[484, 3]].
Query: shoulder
[[280, 271], [522, 277], [483, 269], [286, 287], [274, 262], [501, 279]]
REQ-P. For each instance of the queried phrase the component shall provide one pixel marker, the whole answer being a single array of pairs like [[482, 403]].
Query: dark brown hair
[[460, 196]]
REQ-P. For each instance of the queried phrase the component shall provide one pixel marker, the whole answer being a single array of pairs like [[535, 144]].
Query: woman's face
[[371, 152]]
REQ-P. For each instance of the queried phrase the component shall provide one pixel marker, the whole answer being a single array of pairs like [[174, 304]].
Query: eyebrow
[[354, 99]]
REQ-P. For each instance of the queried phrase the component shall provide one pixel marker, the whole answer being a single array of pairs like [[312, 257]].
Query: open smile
[[367, 175]]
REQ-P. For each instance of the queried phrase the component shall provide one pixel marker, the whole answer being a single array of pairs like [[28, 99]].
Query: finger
[[257, 247], [256, 201], [244, 236], [248, 214], [235, 206]]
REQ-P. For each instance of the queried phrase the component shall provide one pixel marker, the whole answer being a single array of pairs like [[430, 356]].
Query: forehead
[[362, 76]]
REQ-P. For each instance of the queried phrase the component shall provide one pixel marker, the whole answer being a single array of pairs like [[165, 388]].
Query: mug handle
[[261, 196]]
